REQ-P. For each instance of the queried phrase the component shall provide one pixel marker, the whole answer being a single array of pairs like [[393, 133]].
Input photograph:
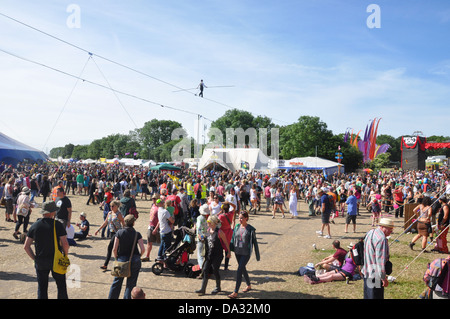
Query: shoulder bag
[[60, 261], [123, 268]]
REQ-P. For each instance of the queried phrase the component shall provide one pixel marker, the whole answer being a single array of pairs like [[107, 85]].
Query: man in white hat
[[201, 227], [83, 226], [376, 256]]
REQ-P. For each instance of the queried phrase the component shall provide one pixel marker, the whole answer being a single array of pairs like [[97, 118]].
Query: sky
[[75, 71]]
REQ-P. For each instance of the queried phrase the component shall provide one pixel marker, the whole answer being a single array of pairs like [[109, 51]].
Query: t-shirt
[[241, 241], [215, 208], [80, 178], [63, 205], [70, 231], [231, 199], [85, 223], [126, 238], [153, 216], [349, 266], [325, 200], [352, 205], [163, 217], [340, 255], [42, 233]]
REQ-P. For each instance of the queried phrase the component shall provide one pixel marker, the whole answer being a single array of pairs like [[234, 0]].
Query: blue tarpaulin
[[13, 152]]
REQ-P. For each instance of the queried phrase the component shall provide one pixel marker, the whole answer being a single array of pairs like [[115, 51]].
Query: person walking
[[242, 243], [8, 194], [214, 254], [153, 228], [165, 222], [201, 227], [123, 247], [376, 258], [442, 226], [423, 213], [42, 233], [114, 221], [325, 209], [227, 221], [352, 211], [293, 201], [23, 211], [201, 86], [278, 202]]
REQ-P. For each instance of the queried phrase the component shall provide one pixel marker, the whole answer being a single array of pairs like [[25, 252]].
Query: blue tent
[[13, 152]]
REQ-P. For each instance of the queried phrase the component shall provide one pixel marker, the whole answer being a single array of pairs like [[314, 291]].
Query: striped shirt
[[376, 254]]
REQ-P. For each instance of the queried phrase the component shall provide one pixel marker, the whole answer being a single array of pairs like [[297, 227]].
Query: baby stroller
[[177, 255]]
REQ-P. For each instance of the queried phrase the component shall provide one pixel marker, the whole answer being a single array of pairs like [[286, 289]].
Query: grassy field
[[408, 269]]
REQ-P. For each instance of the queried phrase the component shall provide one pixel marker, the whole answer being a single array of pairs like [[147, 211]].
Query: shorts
[[345, 274], [423, 229], [351, 218], [326, 218], [151, 237]]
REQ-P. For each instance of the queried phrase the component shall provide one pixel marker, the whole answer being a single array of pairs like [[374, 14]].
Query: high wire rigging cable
[[116, 63], [115, 94], [100, 85]]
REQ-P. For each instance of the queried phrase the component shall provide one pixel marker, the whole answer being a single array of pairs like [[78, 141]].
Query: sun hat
[[83, 214], [26, 190], [386, 222], [49, 207], [204, 209]]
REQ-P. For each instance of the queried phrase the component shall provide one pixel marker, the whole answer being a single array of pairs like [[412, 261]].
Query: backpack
[[436, 271], [357, 253], [133, 211]]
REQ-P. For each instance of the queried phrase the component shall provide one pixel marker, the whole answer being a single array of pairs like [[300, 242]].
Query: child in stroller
[[177, 255]]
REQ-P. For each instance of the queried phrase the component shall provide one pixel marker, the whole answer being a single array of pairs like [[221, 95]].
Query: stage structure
[[414, 151]]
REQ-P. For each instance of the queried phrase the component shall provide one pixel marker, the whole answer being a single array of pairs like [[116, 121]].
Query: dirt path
[[285, 245]]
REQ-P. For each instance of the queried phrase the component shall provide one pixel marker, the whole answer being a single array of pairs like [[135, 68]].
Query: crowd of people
[[215, 204]]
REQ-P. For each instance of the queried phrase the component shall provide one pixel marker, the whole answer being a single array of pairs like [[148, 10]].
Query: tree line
[[308, 136]]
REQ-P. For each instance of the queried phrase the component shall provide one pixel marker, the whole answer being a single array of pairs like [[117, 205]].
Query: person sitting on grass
[[346, 272]]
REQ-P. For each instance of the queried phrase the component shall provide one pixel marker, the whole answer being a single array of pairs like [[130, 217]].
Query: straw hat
[[155, 196], [386, 222]]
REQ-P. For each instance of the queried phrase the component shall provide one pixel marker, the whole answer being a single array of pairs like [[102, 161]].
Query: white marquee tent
[[235, 159], [311, 163]]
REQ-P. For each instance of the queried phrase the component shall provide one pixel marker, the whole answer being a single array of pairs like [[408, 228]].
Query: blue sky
[[283, 59]]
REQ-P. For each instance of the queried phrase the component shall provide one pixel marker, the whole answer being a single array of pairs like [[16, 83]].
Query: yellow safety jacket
[[189, 189], [203, 192]]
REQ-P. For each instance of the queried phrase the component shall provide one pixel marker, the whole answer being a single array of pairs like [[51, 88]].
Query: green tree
[[80, 151], [351, 157], [381, 161], [300, 139], [56, 152], [235, 120], [156, 133]]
